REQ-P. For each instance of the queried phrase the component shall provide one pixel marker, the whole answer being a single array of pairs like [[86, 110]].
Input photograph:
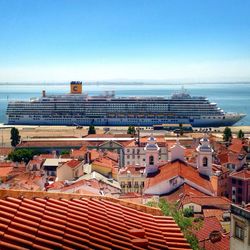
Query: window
[[191, 207], [240, 190], [240, 182], [239, 231], [233, 181], [151, 160], [204, 161], [239, 198]]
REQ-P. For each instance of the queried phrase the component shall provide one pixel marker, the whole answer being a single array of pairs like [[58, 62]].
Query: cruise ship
[[77, 108]]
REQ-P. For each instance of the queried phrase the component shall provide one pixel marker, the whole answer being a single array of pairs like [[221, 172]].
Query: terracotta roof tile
[[218, 213], [214, 201], [5, 171], [223, 244], [72, 163], [209, 224], [243, 174], [180, 192], [236, 145], [84, 223], [182, 169], [5, 150]]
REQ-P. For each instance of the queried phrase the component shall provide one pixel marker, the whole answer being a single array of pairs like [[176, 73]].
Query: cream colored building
[[70, 170], [132, 179], [240, 227], [135, 154]]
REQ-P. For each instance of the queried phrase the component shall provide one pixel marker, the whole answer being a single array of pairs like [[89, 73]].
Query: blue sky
[[167, 40]]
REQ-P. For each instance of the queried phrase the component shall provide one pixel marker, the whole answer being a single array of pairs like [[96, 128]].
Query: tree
[[227, 134], [131, 130], [186, 224], [181, 129], [15, 137], [91, 130], [240, 134], [65, 152], [20, 155]]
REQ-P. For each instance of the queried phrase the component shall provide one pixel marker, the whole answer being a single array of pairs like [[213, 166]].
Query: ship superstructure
[[107, 110]]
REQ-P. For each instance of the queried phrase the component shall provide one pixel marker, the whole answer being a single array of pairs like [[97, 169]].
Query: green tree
[[14, 137], [240, 134], [227, 134], [20, 155], [131, 130], [91, 130], [65, 152], [185, 223], [181, 129]]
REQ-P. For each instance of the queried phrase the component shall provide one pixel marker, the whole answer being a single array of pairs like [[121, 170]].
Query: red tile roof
[[5, 171], [180, 192], [51, 144], [83, 223], [80, 153], [94, 154], [47, 156], [112, 155], [5, 151], [209, 224], [179, 168], [243, 174], [133, 170], [229, 157], [213, 201], [236, 145], [223, 244], [218, 213], [6, 164], [72, 163]]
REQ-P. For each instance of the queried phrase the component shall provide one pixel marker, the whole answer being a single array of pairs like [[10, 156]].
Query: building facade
[[239, 187], [240, 227]]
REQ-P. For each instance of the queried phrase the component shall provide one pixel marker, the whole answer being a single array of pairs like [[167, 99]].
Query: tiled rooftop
[[244, 174], [209, 225], [5, 171], [182, 169], [5, 150], [28, 220], [218, 213], [72, 163], [214, 201], [223, 244], [180, 192]]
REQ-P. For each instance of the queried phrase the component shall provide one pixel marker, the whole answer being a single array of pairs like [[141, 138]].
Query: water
[[229, 97]]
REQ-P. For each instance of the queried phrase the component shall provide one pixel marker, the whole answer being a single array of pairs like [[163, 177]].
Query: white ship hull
[[228, 120]]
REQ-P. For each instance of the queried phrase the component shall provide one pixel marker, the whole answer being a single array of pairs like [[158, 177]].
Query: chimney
[[44, 93]]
